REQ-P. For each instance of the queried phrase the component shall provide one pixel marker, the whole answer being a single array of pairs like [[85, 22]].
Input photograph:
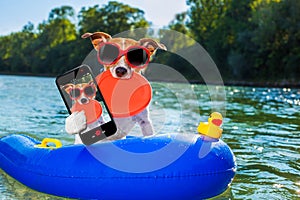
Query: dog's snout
[[121, 71]]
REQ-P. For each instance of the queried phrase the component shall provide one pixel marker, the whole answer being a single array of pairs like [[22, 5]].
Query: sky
[[17, 13]]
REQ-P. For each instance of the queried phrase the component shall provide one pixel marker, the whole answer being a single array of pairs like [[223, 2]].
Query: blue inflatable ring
[[203, 169]]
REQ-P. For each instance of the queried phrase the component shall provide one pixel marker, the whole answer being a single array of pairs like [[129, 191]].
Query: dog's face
[[81, 93], [122, 68], [123, 56]]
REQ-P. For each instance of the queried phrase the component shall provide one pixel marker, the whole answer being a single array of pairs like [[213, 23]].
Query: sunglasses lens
[[137, 57], [89, 91], [75, 93], [108, 54]]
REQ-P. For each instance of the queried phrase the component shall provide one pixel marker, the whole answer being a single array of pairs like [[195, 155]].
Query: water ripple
[[261, 126]]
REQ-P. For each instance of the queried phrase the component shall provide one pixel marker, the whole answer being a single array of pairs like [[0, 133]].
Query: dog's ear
[[152, 45], [97, 38], [68, 87], [92, 83]]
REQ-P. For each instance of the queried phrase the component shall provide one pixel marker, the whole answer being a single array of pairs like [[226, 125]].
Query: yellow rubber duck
[[212, 127]]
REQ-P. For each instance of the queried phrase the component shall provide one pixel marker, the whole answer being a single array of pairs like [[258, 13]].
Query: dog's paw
[[75, 123]]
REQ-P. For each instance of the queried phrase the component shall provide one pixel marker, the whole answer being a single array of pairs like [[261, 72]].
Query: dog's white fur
[[76, 122]]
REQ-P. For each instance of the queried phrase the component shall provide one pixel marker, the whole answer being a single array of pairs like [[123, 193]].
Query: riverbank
[[274, 84], [279, 84]]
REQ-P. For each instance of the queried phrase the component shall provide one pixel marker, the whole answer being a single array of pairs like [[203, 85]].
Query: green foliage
[[277, 37], [206, 17], [112, 18], [210, 24], [15, 51], [178, 24], [64, 12], [250, 40], [55, 45]]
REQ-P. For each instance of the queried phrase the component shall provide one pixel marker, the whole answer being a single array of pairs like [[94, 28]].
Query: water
[[262, 126]]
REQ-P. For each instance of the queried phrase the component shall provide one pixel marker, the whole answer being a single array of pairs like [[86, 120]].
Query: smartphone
[[79, 91]]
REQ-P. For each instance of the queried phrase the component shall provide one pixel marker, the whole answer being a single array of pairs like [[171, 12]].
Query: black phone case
[[96, 134]]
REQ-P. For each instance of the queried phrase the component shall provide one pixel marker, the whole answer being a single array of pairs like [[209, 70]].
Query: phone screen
[[81, 93]]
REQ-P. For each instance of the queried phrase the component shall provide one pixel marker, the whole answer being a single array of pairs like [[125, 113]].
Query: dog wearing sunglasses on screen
[[82, 94], [122, 57]]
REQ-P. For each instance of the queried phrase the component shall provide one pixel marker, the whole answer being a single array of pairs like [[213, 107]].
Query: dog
[[122, 57]]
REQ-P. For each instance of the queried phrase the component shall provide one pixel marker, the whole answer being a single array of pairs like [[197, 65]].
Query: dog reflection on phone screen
[[82, 94]]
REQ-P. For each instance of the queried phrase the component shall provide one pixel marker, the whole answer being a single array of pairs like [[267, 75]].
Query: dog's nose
[[83, 101], [121, 71]]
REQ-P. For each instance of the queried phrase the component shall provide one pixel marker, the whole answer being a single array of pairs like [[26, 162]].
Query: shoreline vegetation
[[278, 84], [253, 42]]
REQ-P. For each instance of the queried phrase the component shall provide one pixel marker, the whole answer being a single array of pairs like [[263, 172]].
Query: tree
[[15, 50], [237, 33], [208, 26], [112, 18], [59, 28], [64, 12], [278, 37], [179, 23], [205, 17], [57, 31]]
